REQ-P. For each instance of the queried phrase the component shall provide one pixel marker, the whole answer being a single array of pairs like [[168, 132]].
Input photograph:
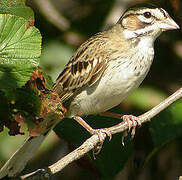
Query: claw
[[107, 133], [123, 136], [132, 121], [102, 134]]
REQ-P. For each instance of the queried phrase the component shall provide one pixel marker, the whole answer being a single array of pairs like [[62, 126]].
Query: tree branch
[[52, 15], [93, 141]]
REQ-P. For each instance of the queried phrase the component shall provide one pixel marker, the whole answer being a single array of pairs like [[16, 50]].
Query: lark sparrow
[[103, 71]]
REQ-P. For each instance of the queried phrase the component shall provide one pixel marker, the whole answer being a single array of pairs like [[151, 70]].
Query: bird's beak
[[168, 24]]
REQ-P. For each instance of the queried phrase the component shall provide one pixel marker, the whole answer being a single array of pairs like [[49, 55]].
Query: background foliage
[[155, 151]]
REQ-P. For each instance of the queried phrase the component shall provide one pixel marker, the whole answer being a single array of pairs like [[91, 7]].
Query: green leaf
[[16, 7], [167, 125], [26, 101], [23, 102], [20, 49]]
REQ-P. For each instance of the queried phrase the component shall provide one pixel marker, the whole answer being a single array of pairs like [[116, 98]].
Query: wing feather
[[85, 67]]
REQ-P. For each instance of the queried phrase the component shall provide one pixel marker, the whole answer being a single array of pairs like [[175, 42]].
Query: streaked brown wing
[[85, 67]]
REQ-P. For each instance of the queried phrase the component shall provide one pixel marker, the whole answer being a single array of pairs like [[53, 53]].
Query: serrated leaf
[[16, 7], [20, 49]]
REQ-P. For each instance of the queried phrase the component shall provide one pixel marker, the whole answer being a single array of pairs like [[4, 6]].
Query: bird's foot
[[132, 121], [102, 134]]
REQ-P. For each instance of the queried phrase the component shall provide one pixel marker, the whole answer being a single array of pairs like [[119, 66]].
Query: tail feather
[[20, 158]]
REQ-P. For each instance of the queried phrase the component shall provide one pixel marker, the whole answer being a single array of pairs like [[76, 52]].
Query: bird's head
[[146, 21]]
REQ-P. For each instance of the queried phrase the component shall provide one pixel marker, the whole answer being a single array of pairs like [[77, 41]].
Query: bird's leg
[[102, 133], [111, 114], [84, 124]]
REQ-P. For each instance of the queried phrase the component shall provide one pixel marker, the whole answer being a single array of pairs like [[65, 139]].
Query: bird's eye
[[147, 14]]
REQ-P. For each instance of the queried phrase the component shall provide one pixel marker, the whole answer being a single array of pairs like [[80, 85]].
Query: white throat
[[129, 34], [146, 46], [145, 43]]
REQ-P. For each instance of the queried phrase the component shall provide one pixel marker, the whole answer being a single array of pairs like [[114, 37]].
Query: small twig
[[52, 15], [93, 141]]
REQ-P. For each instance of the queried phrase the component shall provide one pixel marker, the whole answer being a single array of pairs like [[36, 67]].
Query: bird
[[103, 71]]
